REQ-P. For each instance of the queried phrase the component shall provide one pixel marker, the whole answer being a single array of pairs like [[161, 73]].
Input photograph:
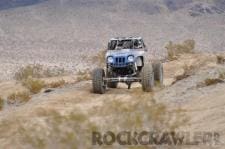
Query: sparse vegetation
[[29, 71], [37, 71], [57, 84], [213, 81], [174, 50], [220, 78], [100, 57], [180, 120], [34, 85], [222, 75], [83, 75], [188, 71], [220, 59], [18, 97], [62, 128], [53, 72], [1, 103], [135, 115], [30, 74]]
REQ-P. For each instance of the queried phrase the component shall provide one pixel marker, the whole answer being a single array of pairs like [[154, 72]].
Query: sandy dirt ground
[[65, 117]]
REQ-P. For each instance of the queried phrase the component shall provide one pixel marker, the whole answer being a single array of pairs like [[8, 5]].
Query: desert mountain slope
[[68, 33]]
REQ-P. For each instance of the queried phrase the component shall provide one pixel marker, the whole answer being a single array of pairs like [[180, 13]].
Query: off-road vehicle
[[127, 62]]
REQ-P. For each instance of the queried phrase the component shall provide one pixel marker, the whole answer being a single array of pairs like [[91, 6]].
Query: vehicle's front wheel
[[147, 78], [98, 83], [158, 72]]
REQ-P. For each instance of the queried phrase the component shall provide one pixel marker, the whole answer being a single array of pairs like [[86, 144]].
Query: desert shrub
[[61, 127], [181, 119], [77, 117], [187, 46], [212, 81], [157, 111], [220, 59], [1, 103], [83, 75], [53, 72], [19, 97], [138, 114], [29, 71], [188, 71], [174, 50], [34, 85], [37, 71], [99, 57], [222, 75], [57, 84]]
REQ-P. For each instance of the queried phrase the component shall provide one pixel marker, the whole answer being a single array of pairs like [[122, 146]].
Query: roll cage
[[126, 43]]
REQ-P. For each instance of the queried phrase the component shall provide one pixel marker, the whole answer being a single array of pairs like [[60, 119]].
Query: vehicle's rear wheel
[[98, 83], [147, 78], [158, 72]]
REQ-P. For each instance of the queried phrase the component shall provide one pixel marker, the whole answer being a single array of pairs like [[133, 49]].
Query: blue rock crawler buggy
[[126, 62]]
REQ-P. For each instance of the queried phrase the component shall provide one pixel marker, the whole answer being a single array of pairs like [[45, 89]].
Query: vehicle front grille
[[120, 61]]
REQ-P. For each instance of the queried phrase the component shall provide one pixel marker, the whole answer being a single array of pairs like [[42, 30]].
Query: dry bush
[[222, 75], [1, 103], [37, 71], [34, 85], [212, 81], [174, 50], [77, 117], [188, 71], [181, 118], [220, 59], [157, 111], [100, 57], [29, 71], [18, 97], [83, 75], [53, 72], [63, 128], [137, 114], [57, 84]]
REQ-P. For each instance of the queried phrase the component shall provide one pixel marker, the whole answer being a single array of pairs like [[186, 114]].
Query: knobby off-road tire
[[99, 86], [158, 72], [147, 78]]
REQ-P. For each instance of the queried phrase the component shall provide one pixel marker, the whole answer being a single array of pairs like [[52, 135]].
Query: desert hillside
[[66, 33], [63, 115], [48, 49]]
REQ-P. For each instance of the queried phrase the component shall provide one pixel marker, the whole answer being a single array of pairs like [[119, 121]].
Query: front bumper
[[125, 71], [120, 65]]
